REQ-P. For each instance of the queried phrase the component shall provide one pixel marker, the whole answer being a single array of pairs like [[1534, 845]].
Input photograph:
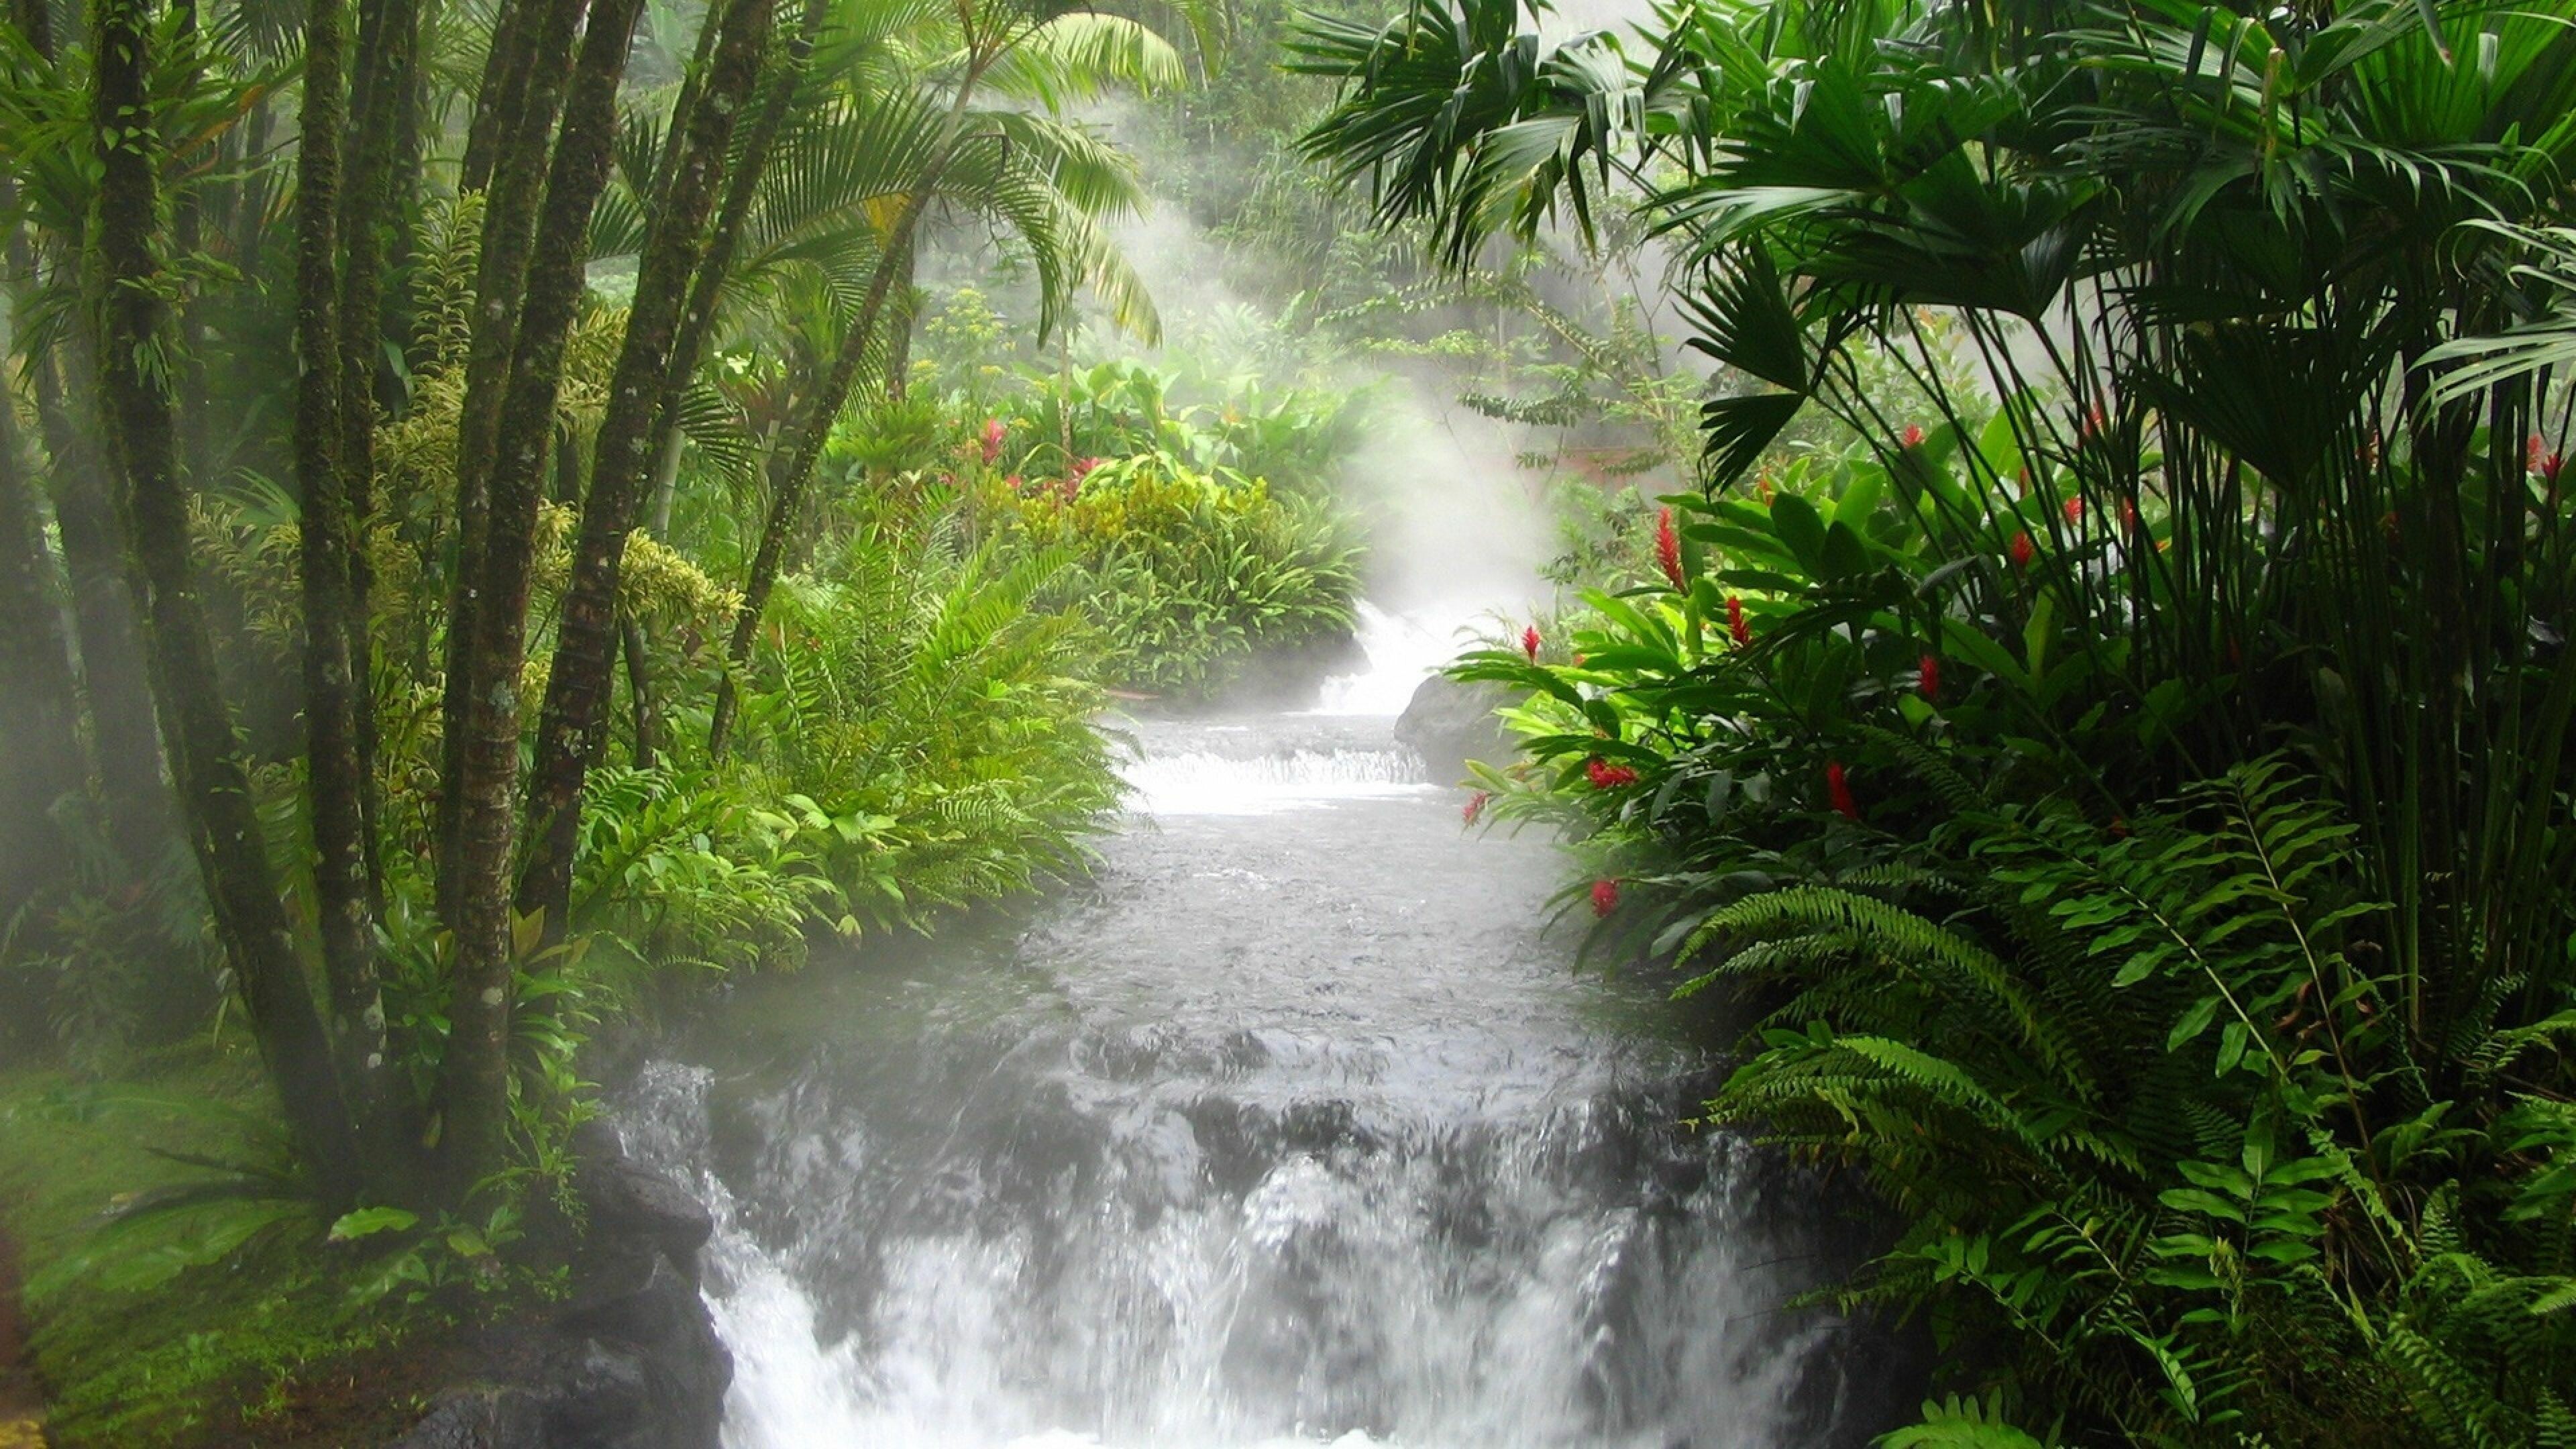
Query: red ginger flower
[[1082, 468], [2074, 509], [1607, 776], [1668, 549], [1475, 807], [1530, 643], [1930, 671], [1735, 624], [2023, 550], [2533, 451], [1838, 788], [1913, 437], [1605, 897], [992, 440], [2549, 467]]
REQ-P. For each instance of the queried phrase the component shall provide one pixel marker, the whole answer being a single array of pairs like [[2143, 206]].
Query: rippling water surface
[[1293, 1125]]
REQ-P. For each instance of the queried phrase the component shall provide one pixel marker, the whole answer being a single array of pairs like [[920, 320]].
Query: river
[[1291, 1124]]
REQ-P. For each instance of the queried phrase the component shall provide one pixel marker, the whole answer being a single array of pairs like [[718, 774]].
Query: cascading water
[[1291, 1125]]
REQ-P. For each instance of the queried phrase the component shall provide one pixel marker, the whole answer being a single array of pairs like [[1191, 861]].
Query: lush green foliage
[[2126, 782]]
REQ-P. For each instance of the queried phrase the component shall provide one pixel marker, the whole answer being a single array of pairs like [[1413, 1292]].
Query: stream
[[1291, 1124]]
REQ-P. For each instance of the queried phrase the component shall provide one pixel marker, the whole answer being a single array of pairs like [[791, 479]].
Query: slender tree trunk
[[474, 1078], [40, 756], [639, 691], [214, 794], [787, 492], [522, 117], [697, 322], [334, 691], [388, 42], [114, 677], [586, 630], [506, 58], [787, 488]]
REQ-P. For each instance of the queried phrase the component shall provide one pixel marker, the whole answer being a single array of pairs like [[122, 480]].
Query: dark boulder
[[630, 1360], [1449, 723]]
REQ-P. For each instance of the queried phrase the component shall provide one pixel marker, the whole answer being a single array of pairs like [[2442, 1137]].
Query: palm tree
[[932, 148]]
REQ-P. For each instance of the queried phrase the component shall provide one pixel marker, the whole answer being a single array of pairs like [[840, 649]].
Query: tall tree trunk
[[474, 1078], [214, 794], [334, 691], [639, 691], [586, 633], [114, 677], [523, 117], [388, 42], [39, 713], [697, 322]]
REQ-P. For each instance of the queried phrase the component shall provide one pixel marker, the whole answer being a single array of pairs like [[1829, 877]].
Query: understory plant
[[2127, 786]]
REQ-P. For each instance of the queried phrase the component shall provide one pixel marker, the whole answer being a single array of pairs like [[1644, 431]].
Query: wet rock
[[484, 1417], [631, 1360], [1449, 723]]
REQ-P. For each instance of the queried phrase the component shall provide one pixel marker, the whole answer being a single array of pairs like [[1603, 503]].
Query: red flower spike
[[1082, 468], [2549, 467], [1607, 776], [1668, 550], [2533, 451], [1930, 672], [1475, 808], [1605, 897], [992, 440], [1735, 624], [2023, 550], [1530, 642], [1838, 789], [1913, 435], [2074, 510]]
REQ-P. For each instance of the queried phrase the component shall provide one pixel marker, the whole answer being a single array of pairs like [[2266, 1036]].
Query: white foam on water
[[1201, 782]]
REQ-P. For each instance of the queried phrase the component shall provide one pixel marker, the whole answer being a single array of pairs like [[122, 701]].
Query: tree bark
[[639, 691], [523, 117], [40, 756], [586, 628], [380, 94], [213, 791], [334, 690], [114, 677], [474, 1077]]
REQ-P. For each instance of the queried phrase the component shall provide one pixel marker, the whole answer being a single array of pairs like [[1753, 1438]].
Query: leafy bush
[[1190, 574]]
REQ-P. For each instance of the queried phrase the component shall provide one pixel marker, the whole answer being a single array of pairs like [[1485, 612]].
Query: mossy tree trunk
[[586, 631], [473, 1098], [205, 751]]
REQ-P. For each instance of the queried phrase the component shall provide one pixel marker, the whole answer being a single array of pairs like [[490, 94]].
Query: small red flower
[[1605, 897], [1013, 483], [1530, 642], [1607, 776], [2023, 550], [1082, 468], [1668, 549], [1913, 437], [2074, 510], [992, 440], [1735, 624], [2533, 451], [1475, 808], [1838, 788], [1930, 672], [2549, 467]]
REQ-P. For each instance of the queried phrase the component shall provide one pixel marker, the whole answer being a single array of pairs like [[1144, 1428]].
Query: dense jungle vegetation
[[513, 511], [2130, 770]]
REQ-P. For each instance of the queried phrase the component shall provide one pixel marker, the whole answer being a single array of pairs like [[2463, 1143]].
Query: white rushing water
[[1292, 1126]]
